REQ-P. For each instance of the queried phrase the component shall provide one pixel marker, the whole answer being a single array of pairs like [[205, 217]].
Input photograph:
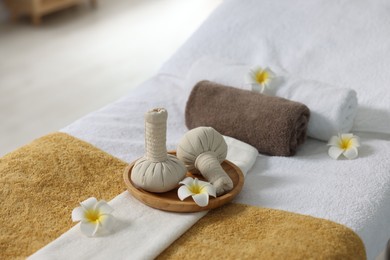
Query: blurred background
[[61, 59]]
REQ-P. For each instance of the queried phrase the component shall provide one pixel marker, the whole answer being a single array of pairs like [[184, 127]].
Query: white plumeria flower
[[345, 144], [260, 78], [94, 216], [199, 190]]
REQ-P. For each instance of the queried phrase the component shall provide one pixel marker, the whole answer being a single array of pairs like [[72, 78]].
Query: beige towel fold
[[275, 126], [237, 231]]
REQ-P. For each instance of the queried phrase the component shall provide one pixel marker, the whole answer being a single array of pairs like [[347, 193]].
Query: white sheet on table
[[343, 43], [354, 193], [140, 232]]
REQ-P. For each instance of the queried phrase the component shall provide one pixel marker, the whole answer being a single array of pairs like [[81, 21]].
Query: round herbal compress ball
[[204, 149]]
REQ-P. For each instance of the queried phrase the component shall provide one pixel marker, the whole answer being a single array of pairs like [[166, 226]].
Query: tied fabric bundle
[[333, 109], [275, 126]]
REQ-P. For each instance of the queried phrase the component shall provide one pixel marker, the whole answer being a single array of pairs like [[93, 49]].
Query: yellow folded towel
[[238, 231], [42, 182]]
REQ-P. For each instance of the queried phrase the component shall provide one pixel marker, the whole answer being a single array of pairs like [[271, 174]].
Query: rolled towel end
[[348, 111], [329, 119]]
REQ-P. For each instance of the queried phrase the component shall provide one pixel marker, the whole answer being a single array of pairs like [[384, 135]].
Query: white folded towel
[[241, 154], [140, 232], [333, 109]]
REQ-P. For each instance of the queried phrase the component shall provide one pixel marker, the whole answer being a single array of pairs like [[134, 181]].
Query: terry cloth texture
[[275, 126], [42, 182], [238, 231]]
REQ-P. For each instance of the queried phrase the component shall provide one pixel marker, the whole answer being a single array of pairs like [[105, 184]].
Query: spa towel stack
[[333, 109], [275, 126]]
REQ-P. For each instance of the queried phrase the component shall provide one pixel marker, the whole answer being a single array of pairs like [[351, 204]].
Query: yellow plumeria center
[[345, 143], [92, 215], [195, 189], [262, 76]]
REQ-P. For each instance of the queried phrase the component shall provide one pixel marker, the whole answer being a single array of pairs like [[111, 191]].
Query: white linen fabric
[[332, 109], [342, 43], [241, 154], [140, 232], [354, 193]]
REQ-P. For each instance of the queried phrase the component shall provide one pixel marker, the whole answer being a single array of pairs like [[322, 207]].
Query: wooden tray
[[169, 201]]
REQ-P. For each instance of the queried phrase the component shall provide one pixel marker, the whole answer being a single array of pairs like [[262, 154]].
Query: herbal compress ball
[[204, 149]]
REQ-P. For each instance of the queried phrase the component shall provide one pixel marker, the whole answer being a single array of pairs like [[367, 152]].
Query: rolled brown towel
[[275, 126]]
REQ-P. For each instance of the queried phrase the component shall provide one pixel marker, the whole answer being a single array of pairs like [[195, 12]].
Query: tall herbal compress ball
[[204, 149], [157, 171]]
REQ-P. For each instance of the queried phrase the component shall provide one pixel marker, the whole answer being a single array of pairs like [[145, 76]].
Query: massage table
[[343, 43]]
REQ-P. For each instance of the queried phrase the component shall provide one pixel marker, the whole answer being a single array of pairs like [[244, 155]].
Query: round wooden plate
[[169, 201]]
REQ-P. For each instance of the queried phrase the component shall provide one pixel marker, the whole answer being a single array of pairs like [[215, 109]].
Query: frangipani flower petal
[[89, 228], [187, 181], [201, 199], [346, 136], [271, 74], [107, 221], [254, 70], [183, 192], [89, 203], [202, 183], [77, 214], [209, 189], [355, 141], [351, 153], [103, 207], [335, 152], [334, 140]]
